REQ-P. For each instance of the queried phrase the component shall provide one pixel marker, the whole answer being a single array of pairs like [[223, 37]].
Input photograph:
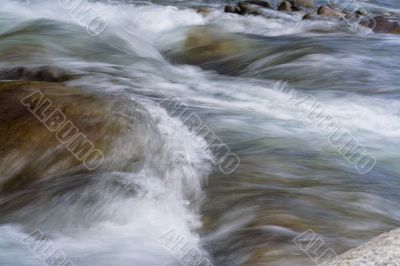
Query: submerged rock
[[52, 130], [205, 45], [204, 11], [383, 24]]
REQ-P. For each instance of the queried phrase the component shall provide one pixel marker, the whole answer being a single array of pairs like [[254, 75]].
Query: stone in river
[[330, 12], [383, 24], [52, 130]]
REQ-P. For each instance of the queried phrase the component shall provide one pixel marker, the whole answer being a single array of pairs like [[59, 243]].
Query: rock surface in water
[[382, 24], [261, 3], [308, 16], [229, 9], [44, 73], [303, 3], [382, 250], [211, 48], [250, 7], [50, 130], [287, 6], [329, 12], [204, 11]]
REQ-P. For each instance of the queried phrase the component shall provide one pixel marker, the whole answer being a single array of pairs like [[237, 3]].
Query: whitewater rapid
[[290, 178]]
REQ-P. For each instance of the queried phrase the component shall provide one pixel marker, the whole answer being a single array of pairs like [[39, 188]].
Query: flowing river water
[[290, 178]]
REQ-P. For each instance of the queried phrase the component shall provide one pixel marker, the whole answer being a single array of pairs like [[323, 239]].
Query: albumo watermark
[[45, 250], [226, 160], [85, 15], [65, 131]]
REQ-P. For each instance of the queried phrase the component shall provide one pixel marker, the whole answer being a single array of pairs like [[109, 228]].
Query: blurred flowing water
[[290, 178]]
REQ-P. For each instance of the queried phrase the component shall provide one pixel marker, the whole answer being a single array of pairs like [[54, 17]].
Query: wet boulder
[[229, 9], [51, 130], [383, 24], [206, 44], [249, 9], [303, 3], [287, 6], [212, 48], [330, 12]]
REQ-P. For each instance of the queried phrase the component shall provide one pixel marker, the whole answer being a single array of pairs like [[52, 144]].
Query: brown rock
[[240, 9], [303, 3], [51, 130], [248, 9], [329, 12], [285, 6], [382, 24]]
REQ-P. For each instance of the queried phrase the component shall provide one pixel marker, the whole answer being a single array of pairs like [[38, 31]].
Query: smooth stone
[[382, 24], [307, 16], [288, 6], [204, 44], [329, 12], [285, 6], [33, 148], [303, 3]]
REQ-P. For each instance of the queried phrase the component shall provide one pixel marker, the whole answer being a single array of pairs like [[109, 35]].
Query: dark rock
[[240, 10], [264, 4], [307, 17], [44, 73], [249, 9], [360, 12], [229, 9], [382, 24], [287, 6]]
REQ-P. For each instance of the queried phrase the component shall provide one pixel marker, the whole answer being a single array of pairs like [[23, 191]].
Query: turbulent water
[[290, 178]]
